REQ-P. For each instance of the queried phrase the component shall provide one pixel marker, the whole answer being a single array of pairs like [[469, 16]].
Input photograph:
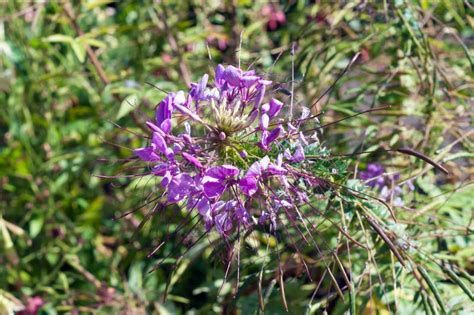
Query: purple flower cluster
[[212, 149], [375, 177]]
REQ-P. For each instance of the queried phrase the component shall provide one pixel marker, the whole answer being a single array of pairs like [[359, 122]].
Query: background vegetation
[[70, 71]]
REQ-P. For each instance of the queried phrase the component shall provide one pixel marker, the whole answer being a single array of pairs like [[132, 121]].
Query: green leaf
[[79, 50], [92, 4], [59, 38], [36, 224], [92, 42], [127, 105], [433, 288]]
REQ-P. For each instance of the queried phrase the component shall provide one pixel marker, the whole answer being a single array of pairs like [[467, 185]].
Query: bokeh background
[[71, 72]]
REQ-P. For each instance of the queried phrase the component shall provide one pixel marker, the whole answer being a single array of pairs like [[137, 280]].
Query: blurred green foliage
[[70, 71]]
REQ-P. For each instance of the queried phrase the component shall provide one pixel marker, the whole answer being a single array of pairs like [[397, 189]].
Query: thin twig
[[183, 68], [95, 62], [337, 79], [292, 79]]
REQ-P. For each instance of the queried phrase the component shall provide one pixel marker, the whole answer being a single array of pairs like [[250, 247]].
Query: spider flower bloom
[[218, 149], [248, 167]]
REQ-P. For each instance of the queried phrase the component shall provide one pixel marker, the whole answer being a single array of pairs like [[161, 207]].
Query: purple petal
[[204, 207], [177, 148], [303, 138], [275, 107], [265, 108], [212, 187], [274, 169], [264, 82], [164, 109], [259, 95], [219, 74], [180, 99], [380, 182], [147, 154], [279, 160], [291, 128], [213, 94], [191, 159], [160, 144], [248, 185], [179, 187], [217, 207], [188, 112], [197, 90], [263, 140], [274, 135], [264, 162], [255, 170], [252, 116], [230, 171], [248, 81], [223, 223], [264, 216], [166, 125], [222, 172], [203, 82], [161, 169], [187, 138], [264, 121], [154, 128], [302, 196], [305, 113], [375, 169], [167, 177], [232, 75], [299, 154], [241, 215]]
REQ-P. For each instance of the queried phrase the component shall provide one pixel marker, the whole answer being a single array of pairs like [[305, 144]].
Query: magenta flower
[[203, 162], [242, 165], [32, 306], [259, 170], [217, 179], [274, 15], [376, 177], [374, 171]]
